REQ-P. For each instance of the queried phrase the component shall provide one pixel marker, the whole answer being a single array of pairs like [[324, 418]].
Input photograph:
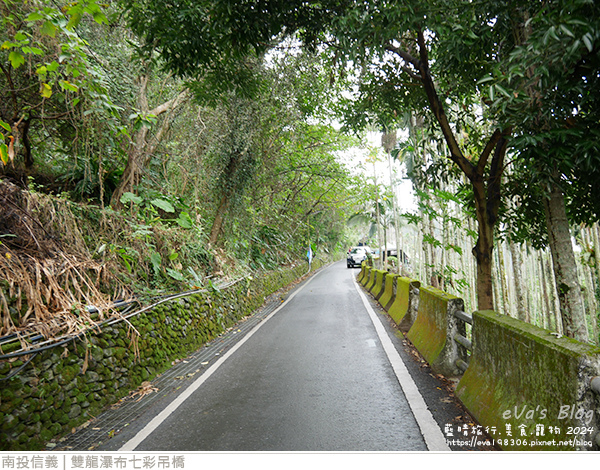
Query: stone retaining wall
[[64, 387]]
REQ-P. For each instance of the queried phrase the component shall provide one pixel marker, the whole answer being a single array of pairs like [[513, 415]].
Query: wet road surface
[[313, 376]]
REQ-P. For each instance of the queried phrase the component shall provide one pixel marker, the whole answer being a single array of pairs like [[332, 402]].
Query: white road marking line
[[434, 439], [163, 415]]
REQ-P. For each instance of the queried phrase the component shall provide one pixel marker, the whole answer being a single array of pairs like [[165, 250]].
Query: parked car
[[356, 256]]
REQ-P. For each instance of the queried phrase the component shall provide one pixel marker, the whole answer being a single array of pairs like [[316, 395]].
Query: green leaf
[[155, 259], [566, 30], [48, 29], [485, 80], [162, 204], [130, 197], [35, 16], [75, 19], [16, 59], [126, 263], [4, 153], [175, 274], [94, 10], [5, 125], [184, 220], [65, 85], [46, 90], [503, 91], [588, 41], [173, 256]]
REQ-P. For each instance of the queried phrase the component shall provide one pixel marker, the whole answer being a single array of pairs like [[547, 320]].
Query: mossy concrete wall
[[365, 274], [370, 281], [64, 387], [389, 292], [399, 296], [433, 330], [405, 302], [377, 287], [523, 376], [364, 269], [520, 377]]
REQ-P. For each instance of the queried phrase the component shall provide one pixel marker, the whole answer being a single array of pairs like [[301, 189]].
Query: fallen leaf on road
[[143, 390]]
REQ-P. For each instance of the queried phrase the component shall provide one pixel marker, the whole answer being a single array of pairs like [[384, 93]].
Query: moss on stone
[[376, 288], [69, 397], [503, 384]]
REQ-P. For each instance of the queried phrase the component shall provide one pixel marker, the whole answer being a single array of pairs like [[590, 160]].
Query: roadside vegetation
[[121, 179], [164, 148]]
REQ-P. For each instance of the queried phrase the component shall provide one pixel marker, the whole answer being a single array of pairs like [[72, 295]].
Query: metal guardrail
[[461, 340]]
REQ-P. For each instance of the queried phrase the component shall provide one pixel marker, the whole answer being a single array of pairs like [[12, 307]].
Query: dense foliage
[[76, 115], [215, 117]]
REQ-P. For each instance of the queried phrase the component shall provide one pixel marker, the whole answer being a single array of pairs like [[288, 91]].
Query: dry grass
[[47, 283]]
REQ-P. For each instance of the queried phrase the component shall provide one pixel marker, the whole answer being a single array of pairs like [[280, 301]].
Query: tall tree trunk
[[435, 278], [389, 144], [141, 149], [219, 218], [378, 215], [596, 239], [503, 281], [486, 188], [548, 318], [483, 249], [590, 285], [426, 263], [553, 295], [565, 267], [517, 260]]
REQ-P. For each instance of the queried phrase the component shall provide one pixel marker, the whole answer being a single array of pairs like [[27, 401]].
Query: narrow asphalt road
[[318, 374]]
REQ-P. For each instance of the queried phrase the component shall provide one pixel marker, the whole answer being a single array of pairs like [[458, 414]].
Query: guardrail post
[[405, 305], [434, 330]]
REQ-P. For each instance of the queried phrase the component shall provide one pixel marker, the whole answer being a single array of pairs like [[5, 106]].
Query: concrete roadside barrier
[[533, 382], [433, 330]]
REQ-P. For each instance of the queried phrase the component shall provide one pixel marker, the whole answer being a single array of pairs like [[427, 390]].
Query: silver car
[[356, 256]]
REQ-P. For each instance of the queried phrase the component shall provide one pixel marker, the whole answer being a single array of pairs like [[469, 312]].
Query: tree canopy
[[219, 113]]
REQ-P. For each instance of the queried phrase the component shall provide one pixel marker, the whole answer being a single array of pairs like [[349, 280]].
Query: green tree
[[394, 43], [46, 72], [548, 92], [410, 55]]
